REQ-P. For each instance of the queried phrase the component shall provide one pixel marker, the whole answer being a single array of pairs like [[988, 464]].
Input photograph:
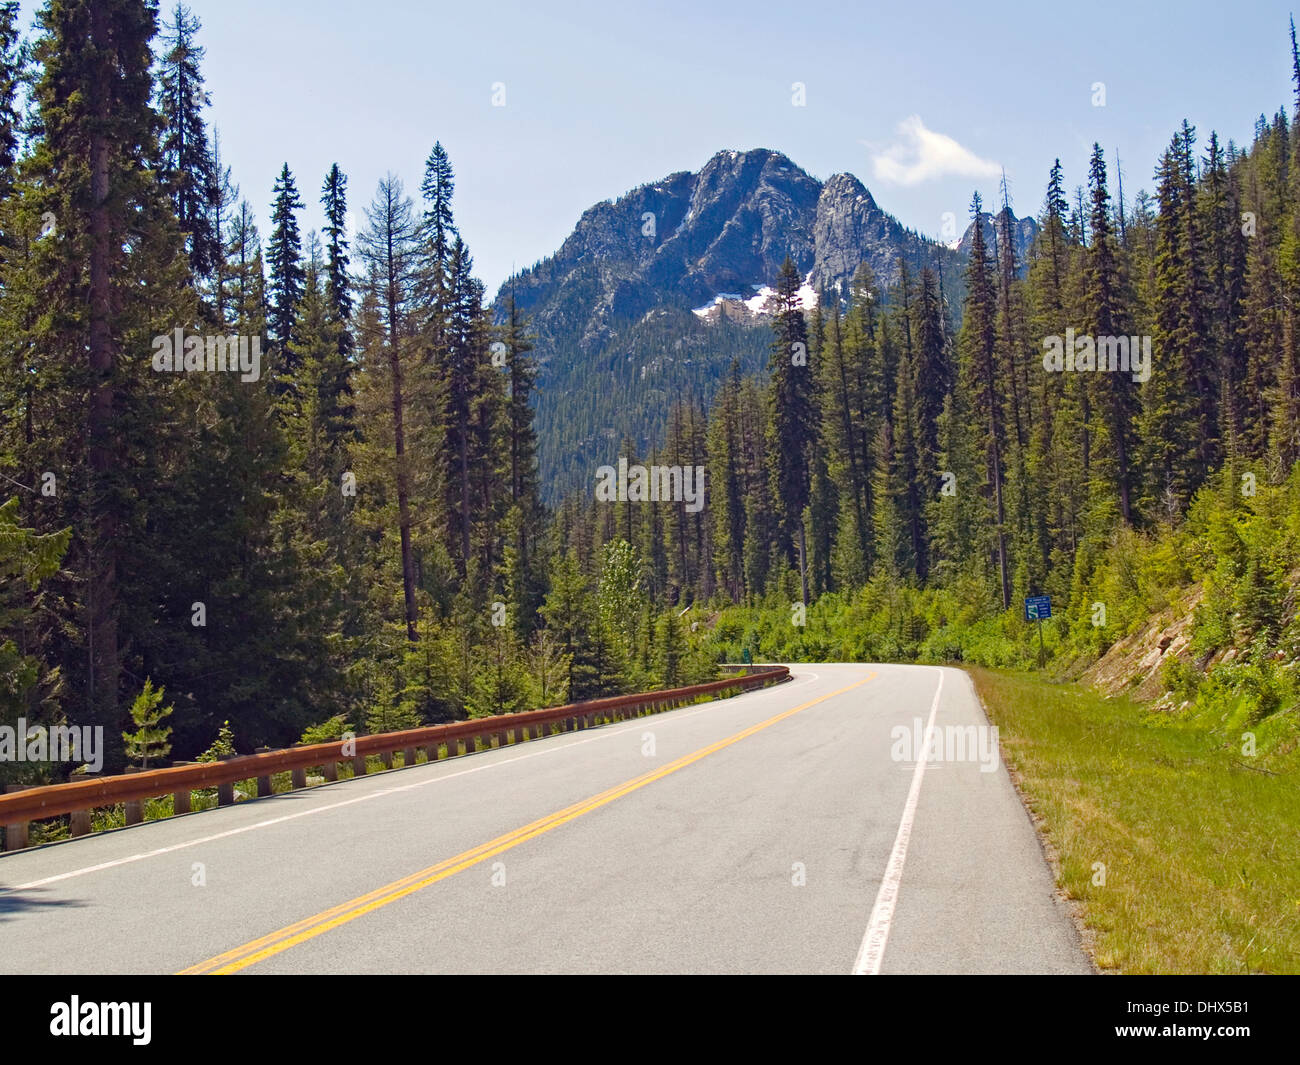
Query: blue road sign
[[1038, 607]]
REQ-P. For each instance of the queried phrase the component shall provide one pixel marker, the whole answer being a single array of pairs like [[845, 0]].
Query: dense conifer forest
[[291, 480]]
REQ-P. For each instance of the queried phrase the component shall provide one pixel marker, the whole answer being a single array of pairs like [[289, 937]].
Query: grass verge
[[1200, 849]]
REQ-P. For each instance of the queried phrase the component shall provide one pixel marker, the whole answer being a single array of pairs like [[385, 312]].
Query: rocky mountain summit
[[1023, 232], [681, 241]]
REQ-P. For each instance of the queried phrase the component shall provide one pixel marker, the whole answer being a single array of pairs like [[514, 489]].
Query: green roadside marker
[[1037, 608]]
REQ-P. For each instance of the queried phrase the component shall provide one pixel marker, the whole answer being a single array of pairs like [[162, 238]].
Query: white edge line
[[872, 951]]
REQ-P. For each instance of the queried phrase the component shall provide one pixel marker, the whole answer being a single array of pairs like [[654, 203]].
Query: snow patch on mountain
[[807, 297], [703, 312], [756, 305]]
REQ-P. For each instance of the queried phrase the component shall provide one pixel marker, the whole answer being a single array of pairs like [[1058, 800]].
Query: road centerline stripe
[[264, 947]]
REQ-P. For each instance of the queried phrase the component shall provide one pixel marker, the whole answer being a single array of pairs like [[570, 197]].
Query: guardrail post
[[226, 793], [330, 770], [79, 823], [263, 783], [408, 757], [500, 739], [134, 808], [359, 765], [180, 799], [298, 778], [453, 748], [431, 753], [386, 757], [537, 732], [16, 834]]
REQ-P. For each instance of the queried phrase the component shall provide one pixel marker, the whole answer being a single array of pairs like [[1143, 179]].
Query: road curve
[[788, 830]]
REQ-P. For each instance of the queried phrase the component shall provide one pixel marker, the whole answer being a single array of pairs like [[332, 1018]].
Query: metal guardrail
[[20, 806]]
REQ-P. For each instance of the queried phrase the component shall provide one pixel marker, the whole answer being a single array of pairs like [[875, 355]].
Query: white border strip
[[872, 951], [604, 733]]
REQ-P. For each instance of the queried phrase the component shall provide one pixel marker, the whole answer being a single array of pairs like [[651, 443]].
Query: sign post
[[1037, 608]]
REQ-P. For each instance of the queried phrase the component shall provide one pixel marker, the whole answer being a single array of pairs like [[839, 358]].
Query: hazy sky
[[923, 101]]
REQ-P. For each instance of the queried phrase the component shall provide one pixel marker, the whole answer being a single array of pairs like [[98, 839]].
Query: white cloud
[[922, 154]]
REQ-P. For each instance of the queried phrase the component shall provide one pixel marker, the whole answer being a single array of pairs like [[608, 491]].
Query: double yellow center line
[[232, 961]]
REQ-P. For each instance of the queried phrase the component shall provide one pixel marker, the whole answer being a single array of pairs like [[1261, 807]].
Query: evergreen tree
[[338, 285], [191, 169], [221, 218], [792, 422], [1106, 315], [978, 347], [13, 72], [1170, 453], [932, 369], [28, 687], [525, 563], [437, 187], [726, 485], [387, 249], [284, 261], [149, 738], [112, 279]]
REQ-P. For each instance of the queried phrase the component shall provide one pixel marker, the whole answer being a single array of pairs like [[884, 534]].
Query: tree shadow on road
[[15, 902]]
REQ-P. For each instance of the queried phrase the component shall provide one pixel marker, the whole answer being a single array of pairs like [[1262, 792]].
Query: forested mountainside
[[626, 311]]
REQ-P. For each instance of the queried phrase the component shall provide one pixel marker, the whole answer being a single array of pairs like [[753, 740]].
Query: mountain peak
[[1022, 230], [759, 157], [612, 309]]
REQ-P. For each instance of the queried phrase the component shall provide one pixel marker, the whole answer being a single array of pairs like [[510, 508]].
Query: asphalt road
[[788, 830]]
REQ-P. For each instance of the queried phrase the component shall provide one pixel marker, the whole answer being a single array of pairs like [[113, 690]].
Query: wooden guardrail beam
[[19, 807]]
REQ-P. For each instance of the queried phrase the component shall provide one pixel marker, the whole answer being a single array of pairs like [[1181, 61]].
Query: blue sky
[[923, 101]]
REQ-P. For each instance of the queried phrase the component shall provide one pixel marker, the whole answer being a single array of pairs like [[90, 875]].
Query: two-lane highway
[[799, 828]]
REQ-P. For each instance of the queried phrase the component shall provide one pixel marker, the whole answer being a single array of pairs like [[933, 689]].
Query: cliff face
[[681, 241]]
